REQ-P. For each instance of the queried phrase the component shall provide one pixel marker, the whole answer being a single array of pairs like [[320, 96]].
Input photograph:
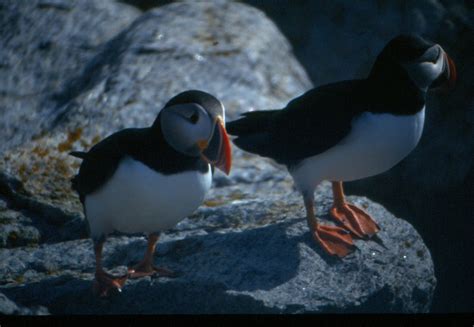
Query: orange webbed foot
[[334, 240], [143, 269], [105, 282], [354, 219]]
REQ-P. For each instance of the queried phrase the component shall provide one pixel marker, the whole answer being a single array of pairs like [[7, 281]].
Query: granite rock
[[260, 258], [8, 307], [180, 46], [44, 43]]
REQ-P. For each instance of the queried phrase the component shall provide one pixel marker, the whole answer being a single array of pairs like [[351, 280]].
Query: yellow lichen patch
[[65, 146], [214, 203], [95, 139], [72, 137], [62, 167], [219, 200], [19, 279], [84, 144], [76, 164], [237, 195], [45, 169], [40, 151], [35, 168], [75, 135], [22, 172]]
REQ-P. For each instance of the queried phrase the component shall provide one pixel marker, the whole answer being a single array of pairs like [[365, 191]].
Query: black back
[[308, 125], [142, 144], [405, 47], [322, 117]]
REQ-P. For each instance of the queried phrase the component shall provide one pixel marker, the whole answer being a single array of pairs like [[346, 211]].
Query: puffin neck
[[156, 126], [392, 90]]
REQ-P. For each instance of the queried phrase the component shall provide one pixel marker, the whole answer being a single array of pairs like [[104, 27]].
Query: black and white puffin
[[145, 180], [350, 130]]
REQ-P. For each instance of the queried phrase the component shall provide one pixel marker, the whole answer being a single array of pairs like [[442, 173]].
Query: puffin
[[350, 130], [146, 180]]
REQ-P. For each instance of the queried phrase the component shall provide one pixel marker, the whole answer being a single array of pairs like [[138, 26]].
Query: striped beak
[[451, 71], [218, 151], [447, 79]]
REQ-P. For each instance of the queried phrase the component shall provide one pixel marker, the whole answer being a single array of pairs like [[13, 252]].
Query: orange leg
[[104, 282], [354, 219], [334, 240], [146, 267]]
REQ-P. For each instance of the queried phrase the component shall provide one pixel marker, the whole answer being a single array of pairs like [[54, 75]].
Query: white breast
[[375, 144], [138, 199]]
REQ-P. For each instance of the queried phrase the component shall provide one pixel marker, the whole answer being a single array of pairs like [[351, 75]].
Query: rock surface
[[265, 263], [44, 43], [241, 251], [127, 83], [8, 307]]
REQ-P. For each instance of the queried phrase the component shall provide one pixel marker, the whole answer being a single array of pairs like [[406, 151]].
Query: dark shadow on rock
[[258, 259], [269, 269], [75, 296], [53, 224], [309, 241], [376, 303], [254, 259], [145, 5], [263, 267], [378, 240], [119, 255]]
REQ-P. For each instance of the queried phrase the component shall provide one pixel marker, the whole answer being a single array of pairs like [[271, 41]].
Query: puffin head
[[426, 64], [192, 123]]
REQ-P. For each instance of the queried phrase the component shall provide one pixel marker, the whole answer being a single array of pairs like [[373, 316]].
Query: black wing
[[142, 144], [100, 163], [307, 126]]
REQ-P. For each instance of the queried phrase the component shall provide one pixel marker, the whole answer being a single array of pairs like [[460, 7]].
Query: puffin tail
[[253, 131], [78, 154]]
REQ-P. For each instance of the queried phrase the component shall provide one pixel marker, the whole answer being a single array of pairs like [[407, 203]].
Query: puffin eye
[[194, 118]]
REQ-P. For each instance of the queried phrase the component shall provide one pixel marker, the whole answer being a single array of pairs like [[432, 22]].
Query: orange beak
[[218, 152], [446, 81], [452, 71]]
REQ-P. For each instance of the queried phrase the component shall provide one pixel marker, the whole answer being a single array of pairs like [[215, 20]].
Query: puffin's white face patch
[[423, 73], [183, 125], [138, 199]]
